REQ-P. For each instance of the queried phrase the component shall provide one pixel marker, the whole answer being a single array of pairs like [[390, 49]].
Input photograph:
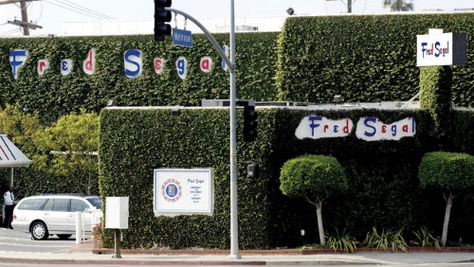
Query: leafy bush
[[134, 142], [342, 242], [386, 240], [54, 95], [363, 58], [313, 177], [425, 238], [449, 172], [383, 186], [435, 96], [68, 169]]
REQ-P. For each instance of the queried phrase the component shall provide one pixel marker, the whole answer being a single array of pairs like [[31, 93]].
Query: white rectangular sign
[[183, 192], [434, 49], [441, 49]]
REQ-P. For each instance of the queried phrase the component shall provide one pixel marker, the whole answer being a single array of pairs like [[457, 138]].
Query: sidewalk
[[82, 255]]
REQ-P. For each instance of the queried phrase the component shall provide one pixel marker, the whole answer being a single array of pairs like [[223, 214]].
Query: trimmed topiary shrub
[[315, 178], [450, 173]]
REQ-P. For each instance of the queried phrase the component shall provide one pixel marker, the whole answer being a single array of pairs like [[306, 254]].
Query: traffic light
[[161, 17], [250, 123]]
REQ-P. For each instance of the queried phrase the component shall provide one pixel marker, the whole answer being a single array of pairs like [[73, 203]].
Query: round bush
[[446, 171], [313, 176]]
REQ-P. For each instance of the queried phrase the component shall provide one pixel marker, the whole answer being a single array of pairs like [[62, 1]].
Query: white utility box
[[116, 215]]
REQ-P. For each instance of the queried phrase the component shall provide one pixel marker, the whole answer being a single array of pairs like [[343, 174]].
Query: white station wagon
[[47, 215]]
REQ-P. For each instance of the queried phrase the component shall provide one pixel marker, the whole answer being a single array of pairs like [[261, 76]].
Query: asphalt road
[[11, 240]]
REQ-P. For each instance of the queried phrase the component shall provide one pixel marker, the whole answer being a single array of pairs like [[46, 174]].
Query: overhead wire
[[86, 9], [78, 9], [73, 10], [9, 32]]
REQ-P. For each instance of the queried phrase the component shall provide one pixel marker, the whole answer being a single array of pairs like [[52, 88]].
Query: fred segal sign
[[183, 192], [441, 49], [367, 129]]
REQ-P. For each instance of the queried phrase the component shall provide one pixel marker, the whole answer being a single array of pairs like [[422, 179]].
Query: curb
[[180, 262], [129, 262]]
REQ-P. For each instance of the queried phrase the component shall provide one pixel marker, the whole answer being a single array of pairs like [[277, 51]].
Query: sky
[[52, 13]]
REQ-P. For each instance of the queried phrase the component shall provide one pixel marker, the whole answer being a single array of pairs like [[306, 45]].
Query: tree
[[68, 148], [20, 126], [315, 178], [398, 5], [449, 172]]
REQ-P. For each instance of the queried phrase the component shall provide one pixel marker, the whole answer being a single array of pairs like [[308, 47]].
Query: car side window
[[32, 204], [61, 205], [49, 205], [78, 205]]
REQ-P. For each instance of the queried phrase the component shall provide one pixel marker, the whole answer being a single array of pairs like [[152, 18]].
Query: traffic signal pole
[[234, 233]]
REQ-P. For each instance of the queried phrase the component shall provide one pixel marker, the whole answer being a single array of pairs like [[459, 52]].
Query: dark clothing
[[7, 221]]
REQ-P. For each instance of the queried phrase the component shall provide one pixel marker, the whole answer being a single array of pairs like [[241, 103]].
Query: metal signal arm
[[211, 38]]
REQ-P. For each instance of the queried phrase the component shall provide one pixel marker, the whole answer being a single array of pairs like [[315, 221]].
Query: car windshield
[[96, 202]]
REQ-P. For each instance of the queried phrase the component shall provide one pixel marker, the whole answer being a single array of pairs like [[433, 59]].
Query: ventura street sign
[[441, 49], [182, 38], [183, 192]]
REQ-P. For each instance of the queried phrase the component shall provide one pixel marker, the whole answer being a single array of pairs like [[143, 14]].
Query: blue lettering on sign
[[366, 123], [132, 63], [312, 123], [436, 49], [423, 49], [437, 44], [17, 59], [64, 65], [182, 67]]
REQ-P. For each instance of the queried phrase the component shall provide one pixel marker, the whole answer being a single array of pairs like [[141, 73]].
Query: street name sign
[[182, 38]]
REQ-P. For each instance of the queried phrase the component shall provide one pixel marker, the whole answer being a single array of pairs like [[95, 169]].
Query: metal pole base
[[117, 254], [234, 257]]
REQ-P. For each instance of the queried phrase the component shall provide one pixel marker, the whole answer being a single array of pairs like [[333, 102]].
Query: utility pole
[[24, 18], [23, 23], [6, 2]]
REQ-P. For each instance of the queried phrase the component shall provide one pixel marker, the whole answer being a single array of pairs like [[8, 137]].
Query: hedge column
[[435, 88]]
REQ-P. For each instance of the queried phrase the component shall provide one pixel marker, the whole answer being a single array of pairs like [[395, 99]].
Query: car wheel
[[39, 231], [64, 237]]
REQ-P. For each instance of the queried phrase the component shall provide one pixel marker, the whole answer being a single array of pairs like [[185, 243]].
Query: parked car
[[55, 214]]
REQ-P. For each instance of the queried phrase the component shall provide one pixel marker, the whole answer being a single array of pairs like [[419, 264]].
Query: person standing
[[9, 201]]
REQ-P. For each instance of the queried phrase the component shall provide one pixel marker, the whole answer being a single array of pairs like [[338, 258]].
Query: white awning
[[10, 155]]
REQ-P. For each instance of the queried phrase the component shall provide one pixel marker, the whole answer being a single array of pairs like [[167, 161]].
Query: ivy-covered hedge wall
[[53, 95], [383, 185], [363, 58], [135, 142]]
